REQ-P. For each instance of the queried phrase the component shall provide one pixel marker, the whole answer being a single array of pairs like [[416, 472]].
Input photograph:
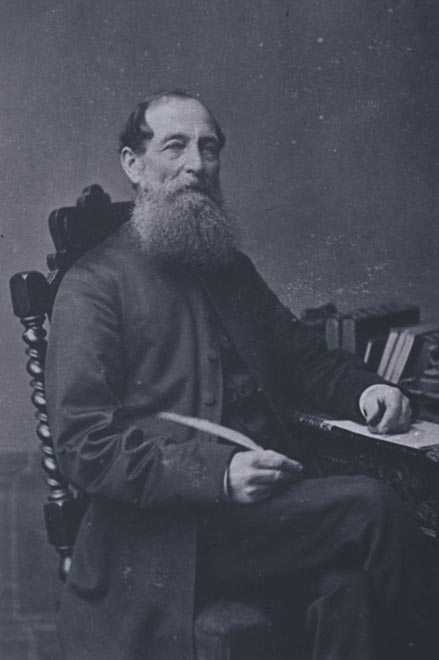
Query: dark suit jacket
[[129, 339]]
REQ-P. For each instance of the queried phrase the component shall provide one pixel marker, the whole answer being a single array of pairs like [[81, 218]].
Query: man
[[167, 316]]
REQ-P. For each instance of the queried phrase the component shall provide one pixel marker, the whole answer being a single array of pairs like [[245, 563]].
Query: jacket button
[[209, 399], [212, 356], [225, 341]]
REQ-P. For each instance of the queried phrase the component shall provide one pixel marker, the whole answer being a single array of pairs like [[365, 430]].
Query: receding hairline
[[169, 96], [143, 130]]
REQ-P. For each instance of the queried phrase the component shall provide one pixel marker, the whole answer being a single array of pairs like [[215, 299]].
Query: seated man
[[167, 315]]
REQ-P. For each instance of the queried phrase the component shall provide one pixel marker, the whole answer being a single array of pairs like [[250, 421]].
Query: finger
[[271, 477], [258, 493], [396, 413], [391, 416], [407, 415], [401, 422], [374, 412], [269, 459]]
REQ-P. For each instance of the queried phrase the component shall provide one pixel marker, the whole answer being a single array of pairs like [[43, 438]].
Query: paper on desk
[[421, 434]]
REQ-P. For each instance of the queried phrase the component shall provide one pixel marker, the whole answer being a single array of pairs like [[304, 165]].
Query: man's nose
[[194, 161]]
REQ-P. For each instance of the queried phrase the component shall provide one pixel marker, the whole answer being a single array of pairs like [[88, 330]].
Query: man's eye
[[211, 151], [175, 146]]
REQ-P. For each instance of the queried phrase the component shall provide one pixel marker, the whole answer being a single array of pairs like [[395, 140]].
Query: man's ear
[[131, 165]]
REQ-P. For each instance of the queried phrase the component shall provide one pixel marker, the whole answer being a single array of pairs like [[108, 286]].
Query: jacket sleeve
[[332, 380], [100, 450]]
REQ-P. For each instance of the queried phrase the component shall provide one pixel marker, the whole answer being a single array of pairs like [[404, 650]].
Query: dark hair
[[137, 132]]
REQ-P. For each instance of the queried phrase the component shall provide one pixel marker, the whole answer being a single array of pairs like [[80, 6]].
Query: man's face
[[179, 214], [184, 150]]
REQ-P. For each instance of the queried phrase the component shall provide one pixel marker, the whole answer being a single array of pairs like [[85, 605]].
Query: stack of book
[[389, 337], [353, 331], [402, 349]]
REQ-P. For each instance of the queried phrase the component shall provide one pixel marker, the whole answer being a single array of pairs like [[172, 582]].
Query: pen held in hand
[[212, 428]]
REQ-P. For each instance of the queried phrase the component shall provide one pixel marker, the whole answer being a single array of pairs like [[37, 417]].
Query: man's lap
[[312, 525]]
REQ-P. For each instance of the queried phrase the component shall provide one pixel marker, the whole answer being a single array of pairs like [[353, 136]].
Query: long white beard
[[187, 227]]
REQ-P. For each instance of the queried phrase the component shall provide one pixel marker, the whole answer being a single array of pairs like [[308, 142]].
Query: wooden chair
[[225, 628]]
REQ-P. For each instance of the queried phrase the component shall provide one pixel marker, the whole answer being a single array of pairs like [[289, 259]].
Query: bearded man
[[168, 316]]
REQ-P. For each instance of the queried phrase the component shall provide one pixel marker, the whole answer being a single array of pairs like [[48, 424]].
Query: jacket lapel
[[238, 302], [235, 299]]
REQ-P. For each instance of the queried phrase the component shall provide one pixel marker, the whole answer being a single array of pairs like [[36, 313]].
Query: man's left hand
[[386, 409]]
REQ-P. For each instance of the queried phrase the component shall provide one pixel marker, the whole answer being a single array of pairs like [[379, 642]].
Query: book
[[333, 332], [410, 351], [324, 321], [359, 326], [374, 351], [387, 353], [395, 355], [421, 434]]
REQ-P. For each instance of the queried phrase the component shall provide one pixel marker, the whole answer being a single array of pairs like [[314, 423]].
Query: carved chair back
[[74, 231]]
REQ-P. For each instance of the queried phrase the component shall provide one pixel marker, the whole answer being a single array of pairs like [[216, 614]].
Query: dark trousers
[[348, 540]]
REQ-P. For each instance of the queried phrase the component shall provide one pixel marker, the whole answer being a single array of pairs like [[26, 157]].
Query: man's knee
[[372, 495], [374, 504]]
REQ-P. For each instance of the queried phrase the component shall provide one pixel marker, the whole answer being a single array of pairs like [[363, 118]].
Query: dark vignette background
[[330, 108]]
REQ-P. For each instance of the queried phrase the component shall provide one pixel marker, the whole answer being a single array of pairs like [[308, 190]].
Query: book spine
[[396, 353], [332, 333], [387, 353], [349, 339]]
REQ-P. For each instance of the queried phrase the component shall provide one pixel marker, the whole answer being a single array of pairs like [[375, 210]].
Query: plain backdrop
[[330, 108]]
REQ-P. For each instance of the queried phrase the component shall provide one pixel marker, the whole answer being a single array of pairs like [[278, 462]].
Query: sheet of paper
[[421, 433]]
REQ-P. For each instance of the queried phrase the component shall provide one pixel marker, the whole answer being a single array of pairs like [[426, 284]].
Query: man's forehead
[[179, 115]]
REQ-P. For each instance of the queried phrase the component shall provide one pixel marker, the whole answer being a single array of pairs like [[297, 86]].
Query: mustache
[[201, 185]]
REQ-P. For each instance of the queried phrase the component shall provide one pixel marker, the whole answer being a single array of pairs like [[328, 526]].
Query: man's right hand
[[254, 476]]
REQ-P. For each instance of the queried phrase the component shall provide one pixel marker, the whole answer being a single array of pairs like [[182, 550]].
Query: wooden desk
[[412, 472]]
